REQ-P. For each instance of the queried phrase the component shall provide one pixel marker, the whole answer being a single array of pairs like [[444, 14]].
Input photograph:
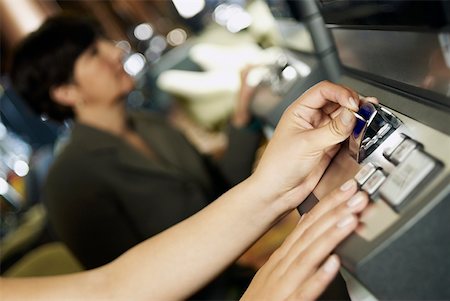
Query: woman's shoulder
[[79, 159]]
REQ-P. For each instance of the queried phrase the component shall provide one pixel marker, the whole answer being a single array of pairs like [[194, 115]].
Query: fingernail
[[346, 116], [355, 200], [331, 264], [347, 185], [353, 103], [371, 99], [345, 221]]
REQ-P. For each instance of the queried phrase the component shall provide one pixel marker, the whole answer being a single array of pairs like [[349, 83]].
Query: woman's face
[[99, 74]]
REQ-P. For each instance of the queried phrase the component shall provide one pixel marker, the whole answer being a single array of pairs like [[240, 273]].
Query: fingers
[[340, 202], [330, 202], [306, 265], [369, 99], [342, 195], [334, 132], [328, 223], [325, 221], [325, 91], [302, 267], [342, 119], [315, 285], [337, 103]]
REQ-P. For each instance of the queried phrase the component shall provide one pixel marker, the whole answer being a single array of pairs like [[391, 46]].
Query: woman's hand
[[242, 115], [305, 140], [302, 267]]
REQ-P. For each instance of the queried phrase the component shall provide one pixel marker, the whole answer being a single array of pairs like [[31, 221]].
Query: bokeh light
[[143, 32], [176, 37], [134, 64]]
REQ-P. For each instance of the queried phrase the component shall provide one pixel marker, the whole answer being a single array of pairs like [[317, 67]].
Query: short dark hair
[[46, 59]]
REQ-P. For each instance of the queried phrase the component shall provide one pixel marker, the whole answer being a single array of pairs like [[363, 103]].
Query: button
[[384, 130], [387, 152], [403, 179], [374, 182], [403, 150], [370, 142], [364, 173]]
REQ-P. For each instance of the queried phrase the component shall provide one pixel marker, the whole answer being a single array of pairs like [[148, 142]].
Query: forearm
[[163, 268], [87, 285]]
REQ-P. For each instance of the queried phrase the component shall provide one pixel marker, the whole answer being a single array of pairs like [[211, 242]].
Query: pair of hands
[[305, 140]]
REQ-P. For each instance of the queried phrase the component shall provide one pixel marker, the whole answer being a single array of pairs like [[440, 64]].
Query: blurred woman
[[124, 175]]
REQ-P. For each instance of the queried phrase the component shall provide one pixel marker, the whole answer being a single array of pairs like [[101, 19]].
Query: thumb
[[334, 132]]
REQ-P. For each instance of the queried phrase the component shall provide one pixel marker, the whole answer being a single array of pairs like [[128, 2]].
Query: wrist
[[284, 192], [267, 200]]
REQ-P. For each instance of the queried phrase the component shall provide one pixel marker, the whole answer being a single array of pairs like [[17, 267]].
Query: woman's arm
[[167, 267], [171, 265], [177, 262]]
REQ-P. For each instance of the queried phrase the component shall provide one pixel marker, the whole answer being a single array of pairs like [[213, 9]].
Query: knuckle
[[341, 211], [345, 92], [277, 256], [323, 84], [335, 129]]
